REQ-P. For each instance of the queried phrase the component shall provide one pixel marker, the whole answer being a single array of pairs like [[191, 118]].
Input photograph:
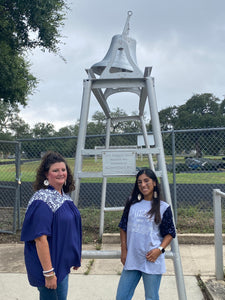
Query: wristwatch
[[161, 249]]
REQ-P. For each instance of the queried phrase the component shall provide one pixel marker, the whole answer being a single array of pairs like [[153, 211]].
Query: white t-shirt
[[143, 235]]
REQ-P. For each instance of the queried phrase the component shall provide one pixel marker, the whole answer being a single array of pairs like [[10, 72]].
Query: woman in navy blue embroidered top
[[52, 229], [146, 229]]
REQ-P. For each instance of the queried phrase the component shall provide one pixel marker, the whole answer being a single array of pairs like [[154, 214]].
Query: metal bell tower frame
[[120, 75]]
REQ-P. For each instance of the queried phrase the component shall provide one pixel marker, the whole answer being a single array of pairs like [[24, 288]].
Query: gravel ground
[[6, 238]]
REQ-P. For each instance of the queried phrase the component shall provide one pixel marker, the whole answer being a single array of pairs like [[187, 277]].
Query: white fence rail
[[218, 237]]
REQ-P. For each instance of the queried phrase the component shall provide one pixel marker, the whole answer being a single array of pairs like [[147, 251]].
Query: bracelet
[[49, 276], [49, 271]]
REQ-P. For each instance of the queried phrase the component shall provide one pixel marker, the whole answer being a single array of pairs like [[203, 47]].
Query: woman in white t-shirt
[[146, 229]]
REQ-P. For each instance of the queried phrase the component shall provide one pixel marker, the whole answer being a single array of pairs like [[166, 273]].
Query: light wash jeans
[[129, 280], [59, 294]]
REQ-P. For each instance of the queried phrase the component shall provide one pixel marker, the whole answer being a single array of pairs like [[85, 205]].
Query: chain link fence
[[195, 167], [195, 162], [9, 186]]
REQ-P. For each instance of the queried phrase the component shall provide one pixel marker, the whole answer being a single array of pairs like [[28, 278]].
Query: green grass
[[90, 264], [198, 178], [191, 219], [28, 172]]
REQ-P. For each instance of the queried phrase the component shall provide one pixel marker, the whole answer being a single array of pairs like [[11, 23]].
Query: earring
[[46, 183], [155, 194], [65, 183], [139, 197]]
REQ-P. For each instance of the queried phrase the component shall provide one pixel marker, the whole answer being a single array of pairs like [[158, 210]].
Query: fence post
[[18, 182], [218, 238], [174, 176]]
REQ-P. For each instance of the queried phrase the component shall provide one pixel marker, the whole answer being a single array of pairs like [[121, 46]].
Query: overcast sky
[[184, 42]]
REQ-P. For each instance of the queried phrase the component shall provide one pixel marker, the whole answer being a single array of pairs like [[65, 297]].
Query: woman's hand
[[153, 254], [123, 255], [76, 268], [51, 283]]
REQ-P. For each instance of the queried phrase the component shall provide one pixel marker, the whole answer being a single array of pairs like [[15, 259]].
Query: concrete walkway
[[103, 275]]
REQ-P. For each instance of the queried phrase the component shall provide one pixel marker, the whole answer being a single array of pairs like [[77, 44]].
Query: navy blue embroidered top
[[166, 226], [49, 213]]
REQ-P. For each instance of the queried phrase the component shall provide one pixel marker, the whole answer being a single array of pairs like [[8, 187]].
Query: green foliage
[[42, 129], [98, 123], [20, 129], [90, 264], [192, 219], [90, 223], [16, 82], [200, 111], [67, 131], [168, 117], [28, 24], [25, 25], [11, 125]]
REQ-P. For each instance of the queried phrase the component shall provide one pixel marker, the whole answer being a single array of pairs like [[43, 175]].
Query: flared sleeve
[[37, 222]]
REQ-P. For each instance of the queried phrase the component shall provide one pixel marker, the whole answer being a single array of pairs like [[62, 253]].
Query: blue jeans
[[129, 280], [59, 294]]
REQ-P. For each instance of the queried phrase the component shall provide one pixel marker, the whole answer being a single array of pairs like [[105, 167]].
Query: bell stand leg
[[145, 135], [162, 167], [81, 137], [104, 182]]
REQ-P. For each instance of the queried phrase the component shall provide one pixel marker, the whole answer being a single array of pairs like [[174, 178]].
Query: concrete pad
[[106, 267], [103, 278], [16, 287], [12, 258], [94, 287], [198, 259], [168, 288]]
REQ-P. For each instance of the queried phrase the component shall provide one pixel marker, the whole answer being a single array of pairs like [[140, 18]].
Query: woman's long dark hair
[[49, 159], [155, 209]]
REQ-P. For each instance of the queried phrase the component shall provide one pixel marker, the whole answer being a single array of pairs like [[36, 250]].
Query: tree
[[200, 111], [222, 108], [16, 82], [118, 126], [66, 131], [98, 123], [20, 129], [168, 117], [42, 129], [8, 115], [11, 125], [67, 146], [25, 25], [28, 24], [133, 126]]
